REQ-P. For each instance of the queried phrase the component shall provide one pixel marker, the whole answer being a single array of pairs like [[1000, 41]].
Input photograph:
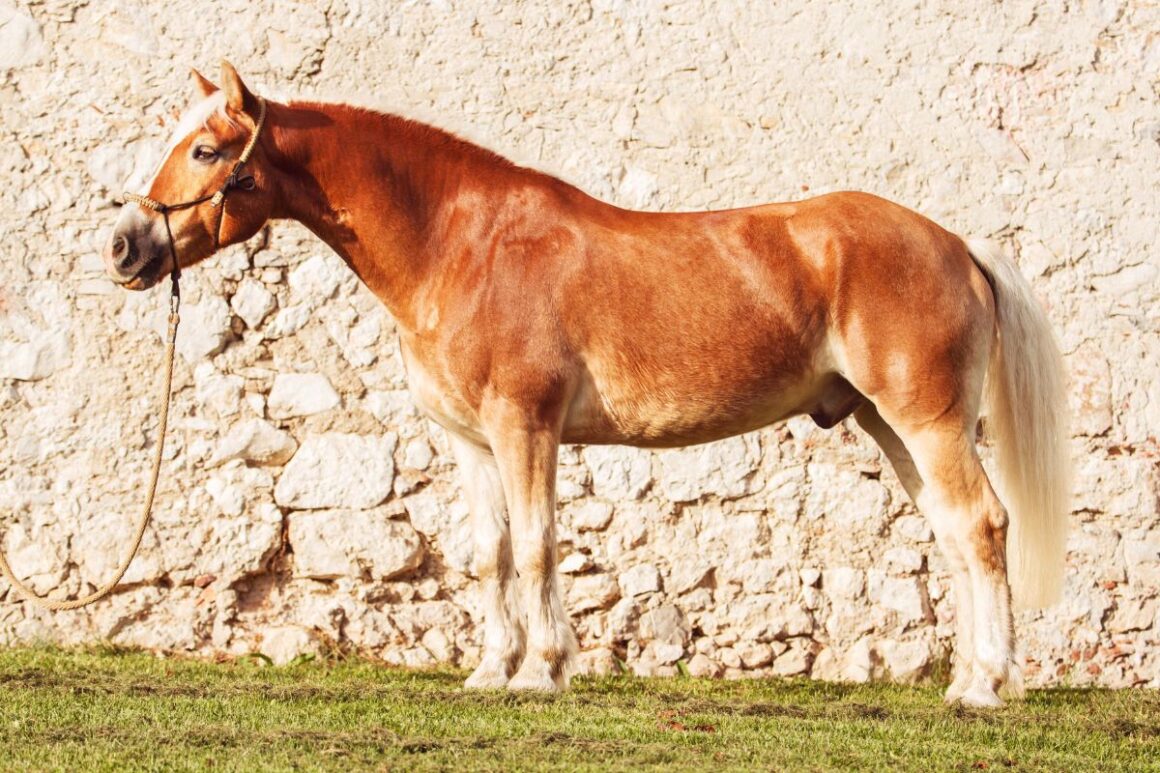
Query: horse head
[[211, 189]]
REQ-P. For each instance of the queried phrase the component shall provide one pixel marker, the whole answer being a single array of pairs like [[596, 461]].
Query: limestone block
[[591, 515], [593, 591], [575, 563], [861, 662], [843, 582], [38, 557], [906, 661], [300, 394], [254, 441], [754, 654], [1134, 614], [640, 579], [826, 665], [447, 522], [729, 657], [666, 624], [338, 470], [288, 321], [767, 616], [252, 302], [204, 331], [394, 408], [721, 469], [914, 528], [439, 644], [1090, 391], [663, 653], [903, 560], [29, 360], [21, 43], [160, 621], [904, 595], [846, 498], [355, 334], [618, 472], [598, 661], [285, 642], [353, 543], [1142, 559], [622, 618], [688, 576], [315, 280], [701, 665], [217, 394], [795, 660], [761, 575], [429, 512], [230, 545], [417, 454]]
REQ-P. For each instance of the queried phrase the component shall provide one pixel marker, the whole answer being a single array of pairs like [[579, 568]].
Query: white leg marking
[[527, 465], [503, 629]]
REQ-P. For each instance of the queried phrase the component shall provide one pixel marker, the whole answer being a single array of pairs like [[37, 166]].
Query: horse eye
[[204, 153]]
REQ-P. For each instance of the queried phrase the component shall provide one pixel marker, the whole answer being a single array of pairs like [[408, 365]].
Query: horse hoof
[[487, 677], [981, 697], [958, 688]]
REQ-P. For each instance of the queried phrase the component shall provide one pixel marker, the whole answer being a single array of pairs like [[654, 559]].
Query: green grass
[[108, 711]]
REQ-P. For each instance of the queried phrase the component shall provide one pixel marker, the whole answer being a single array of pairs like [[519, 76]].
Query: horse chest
[[436, 396]]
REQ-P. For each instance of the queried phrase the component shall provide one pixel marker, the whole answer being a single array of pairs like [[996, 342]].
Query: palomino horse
[[532, 315]]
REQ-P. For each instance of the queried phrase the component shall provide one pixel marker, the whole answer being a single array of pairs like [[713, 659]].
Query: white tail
[[1026, 405]]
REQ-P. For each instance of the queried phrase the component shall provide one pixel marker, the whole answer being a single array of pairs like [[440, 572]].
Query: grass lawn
[[100, 710]]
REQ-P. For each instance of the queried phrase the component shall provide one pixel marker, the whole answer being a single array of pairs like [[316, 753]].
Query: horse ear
[[238, 97], [202, 85]]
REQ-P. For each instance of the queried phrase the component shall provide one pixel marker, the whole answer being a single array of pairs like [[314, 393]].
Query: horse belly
[[683, 408]]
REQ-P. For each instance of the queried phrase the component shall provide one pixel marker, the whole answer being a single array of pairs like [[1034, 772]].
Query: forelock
[[198, 117]]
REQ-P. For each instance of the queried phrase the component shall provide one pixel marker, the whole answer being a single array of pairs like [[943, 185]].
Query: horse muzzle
[[133, 257]]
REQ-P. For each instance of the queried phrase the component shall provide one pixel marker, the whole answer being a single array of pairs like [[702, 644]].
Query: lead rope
[[218, 201], [56, 605]]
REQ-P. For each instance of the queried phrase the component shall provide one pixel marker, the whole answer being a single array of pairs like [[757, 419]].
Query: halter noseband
[[216, 199]]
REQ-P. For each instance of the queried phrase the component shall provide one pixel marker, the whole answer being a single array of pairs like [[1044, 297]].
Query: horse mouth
[[146, 277]]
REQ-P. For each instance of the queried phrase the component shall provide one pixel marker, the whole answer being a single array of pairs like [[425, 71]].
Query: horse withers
[[531, 314]]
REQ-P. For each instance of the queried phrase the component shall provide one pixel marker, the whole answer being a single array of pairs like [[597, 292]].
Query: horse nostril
[[122, 253]]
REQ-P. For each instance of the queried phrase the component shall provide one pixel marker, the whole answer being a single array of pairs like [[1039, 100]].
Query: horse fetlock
[[540, 674], [1013, 688], [494, 671]]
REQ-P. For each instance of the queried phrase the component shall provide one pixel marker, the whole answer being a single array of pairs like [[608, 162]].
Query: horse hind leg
[[970, 524], [892, 446]]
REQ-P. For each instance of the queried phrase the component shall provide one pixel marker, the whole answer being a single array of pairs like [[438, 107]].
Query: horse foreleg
[[526, 450], [503, 628]]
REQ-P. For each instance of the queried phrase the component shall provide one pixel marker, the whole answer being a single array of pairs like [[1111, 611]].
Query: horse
[[531, 314]]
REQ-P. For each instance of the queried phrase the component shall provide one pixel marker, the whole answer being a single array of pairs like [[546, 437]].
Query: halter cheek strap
[[216, 199]]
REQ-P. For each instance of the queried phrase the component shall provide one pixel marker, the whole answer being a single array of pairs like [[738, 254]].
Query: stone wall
[[788, 551]]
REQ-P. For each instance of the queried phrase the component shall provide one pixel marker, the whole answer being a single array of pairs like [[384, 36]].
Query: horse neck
[[377, 189]]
